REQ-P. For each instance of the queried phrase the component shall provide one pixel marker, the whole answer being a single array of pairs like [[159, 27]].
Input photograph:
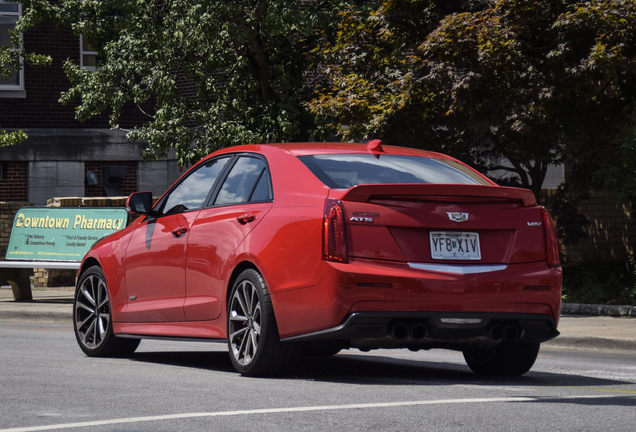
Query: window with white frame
[[9, 14], [88, 55]]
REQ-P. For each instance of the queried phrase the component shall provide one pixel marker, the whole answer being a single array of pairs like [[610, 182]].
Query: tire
[[92, 319], [253, 342], [506, 359]]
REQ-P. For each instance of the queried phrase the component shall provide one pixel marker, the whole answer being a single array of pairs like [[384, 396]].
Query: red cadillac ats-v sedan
[[282, 250]]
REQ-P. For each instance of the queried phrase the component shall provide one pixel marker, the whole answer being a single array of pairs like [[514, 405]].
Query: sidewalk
[[50, 306], [577, 331]]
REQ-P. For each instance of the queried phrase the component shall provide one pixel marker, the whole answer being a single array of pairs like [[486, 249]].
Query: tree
[[618, 172], [364, 72], [206, 73], [534, 83]]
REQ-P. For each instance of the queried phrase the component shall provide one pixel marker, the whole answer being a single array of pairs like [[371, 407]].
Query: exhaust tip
[[399, 331], [512, 332], [496, 332], [418, 331]]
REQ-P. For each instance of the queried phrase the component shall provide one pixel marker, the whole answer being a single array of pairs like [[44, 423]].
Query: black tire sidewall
[[269, 333], [506, 359]]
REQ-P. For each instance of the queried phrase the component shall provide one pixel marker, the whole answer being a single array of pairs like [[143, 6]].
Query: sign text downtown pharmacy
[[61, 234]]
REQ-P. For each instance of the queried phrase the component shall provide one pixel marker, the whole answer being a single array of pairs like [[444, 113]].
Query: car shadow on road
[[381, 370], [213, 361], [369, 369]]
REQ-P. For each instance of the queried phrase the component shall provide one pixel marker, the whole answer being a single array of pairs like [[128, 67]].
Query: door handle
[[246, 218], [179, 231]]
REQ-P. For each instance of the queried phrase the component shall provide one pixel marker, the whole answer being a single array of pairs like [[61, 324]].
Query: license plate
[[455, 245]]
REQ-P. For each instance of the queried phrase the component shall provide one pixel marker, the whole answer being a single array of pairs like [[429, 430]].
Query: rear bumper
[[424, 330], [392, 290]]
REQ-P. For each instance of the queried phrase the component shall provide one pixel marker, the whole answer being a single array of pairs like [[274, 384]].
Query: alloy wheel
[[245, 323], [92, 312]]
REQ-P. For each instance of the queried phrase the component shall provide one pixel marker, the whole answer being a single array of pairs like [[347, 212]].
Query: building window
[[88, 55], [9, 14]]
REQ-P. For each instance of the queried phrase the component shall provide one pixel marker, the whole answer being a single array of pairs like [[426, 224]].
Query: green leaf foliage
[[532, 83], [11, 138], [617, 172], [206, 74]]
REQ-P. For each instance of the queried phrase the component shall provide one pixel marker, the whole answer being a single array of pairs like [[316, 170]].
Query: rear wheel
[[92, 319], [506, 359], [253, 341]]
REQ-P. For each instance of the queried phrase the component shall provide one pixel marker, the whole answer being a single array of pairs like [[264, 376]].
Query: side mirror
[[141, 203]]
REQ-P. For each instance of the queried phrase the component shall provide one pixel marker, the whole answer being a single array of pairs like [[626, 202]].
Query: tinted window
[[348, 170], [192, 192], [248, 181]]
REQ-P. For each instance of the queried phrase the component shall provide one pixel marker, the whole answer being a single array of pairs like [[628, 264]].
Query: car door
[[242, 200], [156, 254]]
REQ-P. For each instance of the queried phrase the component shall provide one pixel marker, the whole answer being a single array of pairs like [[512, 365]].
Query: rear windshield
[[342, 171]]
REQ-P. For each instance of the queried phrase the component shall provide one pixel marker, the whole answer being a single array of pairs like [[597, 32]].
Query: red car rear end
[[472, 266]]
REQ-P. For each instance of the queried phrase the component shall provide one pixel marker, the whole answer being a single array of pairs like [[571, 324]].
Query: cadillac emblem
[[457, 217]]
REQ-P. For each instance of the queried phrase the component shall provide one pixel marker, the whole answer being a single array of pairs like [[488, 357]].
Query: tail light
[[335, 241], [551, 240]]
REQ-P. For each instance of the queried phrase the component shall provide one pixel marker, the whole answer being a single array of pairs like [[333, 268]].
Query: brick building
[[63, 157]]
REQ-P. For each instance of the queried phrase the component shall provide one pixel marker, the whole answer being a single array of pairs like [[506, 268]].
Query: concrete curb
[[49, 317], [591, 344], [598, 310]]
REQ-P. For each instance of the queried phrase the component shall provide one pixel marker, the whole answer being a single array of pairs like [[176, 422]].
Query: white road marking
[[290, 410]]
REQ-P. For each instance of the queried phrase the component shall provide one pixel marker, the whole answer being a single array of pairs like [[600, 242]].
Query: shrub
[[600, 282]]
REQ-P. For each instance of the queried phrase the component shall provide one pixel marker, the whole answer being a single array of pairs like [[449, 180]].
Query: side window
[[88, 55], [248, 181], [193, 190], [9, 14]]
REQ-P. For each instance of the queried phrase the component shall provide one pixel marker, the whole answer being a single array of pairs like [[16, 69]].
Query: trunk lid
[[443, 224]]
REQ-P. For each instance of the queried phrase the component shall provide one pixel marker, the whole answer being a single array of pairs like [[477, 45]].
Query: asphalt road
[[46, 383]]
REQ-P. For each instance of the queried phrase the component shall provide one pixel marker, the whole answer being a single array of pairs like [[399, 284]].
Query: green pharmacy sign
[[61, 234]]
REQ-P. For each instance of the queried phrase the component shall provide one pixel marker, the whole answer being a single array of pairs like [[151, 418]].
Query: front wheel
[[506, 359], [92, 319], [253, 341]]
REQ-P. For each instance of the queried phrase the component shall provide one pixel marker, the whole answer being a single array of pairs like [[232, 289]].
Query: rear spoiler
[[363, 193]]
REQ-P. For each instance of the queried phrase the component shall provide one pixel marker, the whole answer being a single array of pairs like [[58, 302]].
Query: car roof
[[320, 148]]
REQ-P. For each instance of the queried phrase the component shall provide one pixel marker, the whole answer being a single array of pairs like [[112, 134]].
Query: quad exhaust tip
[[417, 331]]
